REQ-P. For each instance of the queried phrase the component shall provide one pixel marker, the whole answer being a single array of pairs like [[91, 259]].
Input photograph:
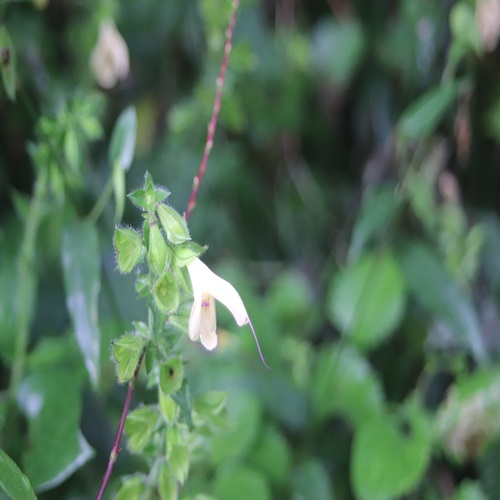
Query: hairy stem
[[215, 110]]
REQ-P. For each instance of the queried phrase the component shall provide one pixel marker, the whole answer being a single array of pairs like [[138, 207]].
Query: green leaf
[[173, 224], [166, 293], [8, 63], [470, 490], [121, 150], [168, 407], [273, 455], [51, 398], [13, 482], [167, 485], [367, 300], [389, 463], [311, 481], [133, 488], [119, 192], [343, 382], [82, 280], [423, 115], [178, 460], [140, 425], [247, 414], [127, 351], [240, 481], [435, 290], [171, 376], [129, 248], [338, 65], [380, 206], [71, 149], [210, 403]]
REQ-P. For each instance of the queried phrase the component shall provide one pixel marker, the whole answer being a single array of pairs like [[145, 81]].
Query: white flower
[[207, 287], [109, 60]]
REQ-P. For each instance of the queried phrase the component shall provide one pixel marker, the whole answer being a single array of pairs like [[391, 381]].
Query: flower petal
[[202, 278], [203, 322]]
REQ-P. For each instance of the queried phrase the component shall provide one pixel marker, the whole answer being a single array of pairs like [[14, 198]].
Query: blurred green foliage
[[351, 199]]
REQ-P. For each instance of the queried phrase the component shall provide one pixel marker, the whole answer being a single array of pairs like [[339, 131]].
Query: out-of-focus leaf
[[240, 481], [337, 49], [247, 414], [434, 289], [13, 482], [387, 463], [366, 301], [273, 455], [423, 115], [132, 488], [380, 206], [167, 484], [82, 280], [344, 383], [311, 481], [8, 63], [71, 149], [119, 192], [178, 459], [121, 150], [470, 490], [469, 419], [51, 399]]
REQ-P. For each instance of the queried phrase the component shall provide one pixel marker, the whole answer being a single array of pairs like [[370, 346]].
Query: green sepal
[[159, 255], [186, 252], [166, 293], [173, 224], [168, 407], [171, 376], [139, 426], [127, 351], [138, 198], [129, 248]]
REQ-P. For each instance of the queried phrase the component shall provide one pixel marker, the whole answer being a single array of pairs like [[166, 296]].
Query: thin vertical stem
[[116, 445], [26, 284], [215, 110]]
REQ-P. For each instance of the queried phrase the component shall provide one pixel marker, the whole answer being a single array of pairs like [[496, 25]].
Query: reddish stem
[[191, 204], [215, 111], [116, 445]]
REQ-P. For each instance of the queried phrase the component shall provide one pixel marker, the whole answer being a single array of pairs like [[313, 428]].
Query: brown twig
[[116, 445], [215, 111], [190, 206]]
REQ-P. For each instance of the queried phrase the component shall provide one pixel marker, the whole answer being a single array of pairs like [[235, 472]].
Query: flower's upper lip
[[204, 281]]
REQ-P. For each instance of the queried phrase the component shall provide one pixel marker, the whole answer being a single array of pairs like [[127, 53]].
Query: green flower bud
[[173, 224], [129, 248], [159, 254], [166, 294]]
